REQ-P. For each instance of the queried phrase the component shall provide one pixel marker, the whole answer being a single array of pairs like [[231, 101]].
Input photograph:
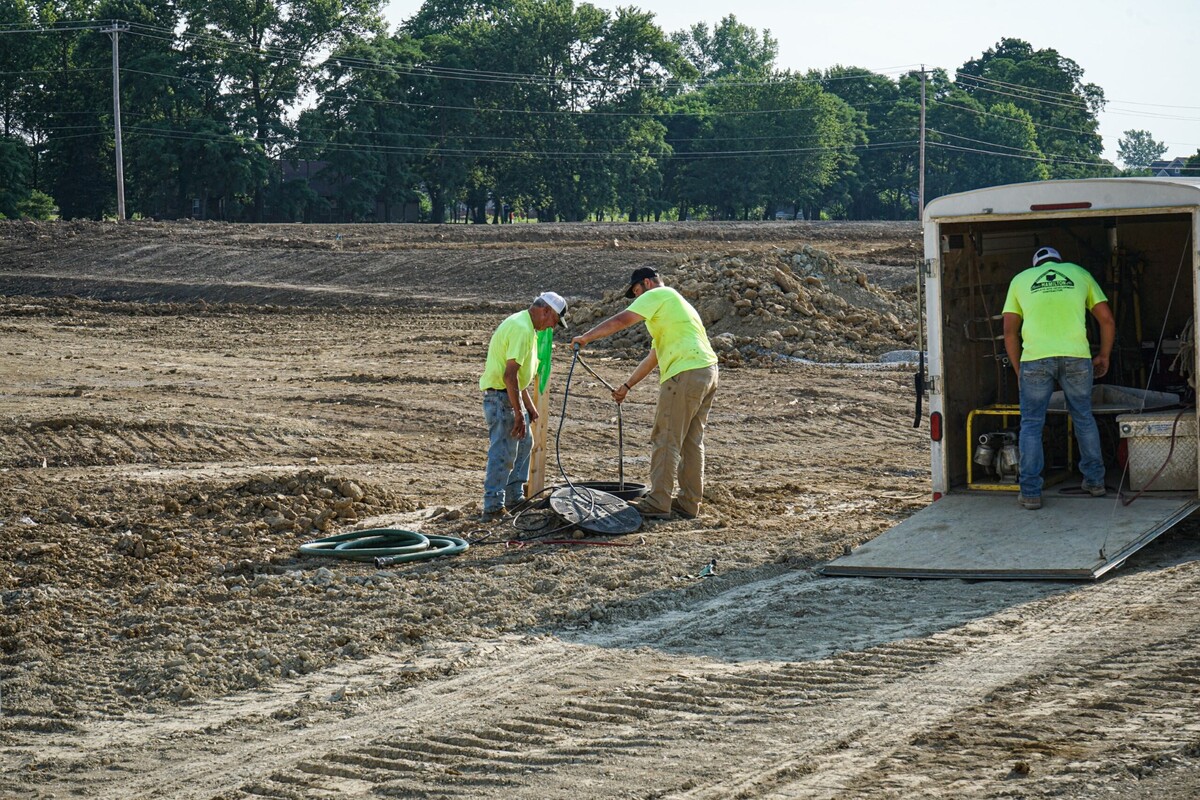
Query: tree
[[19, 57], [14, 175], [885, 128], [71, 117], [38, 205], [1138, 150], [774, 140], [1191, 167], [1050, 89], [363, 128], [972, 144], [731, 48], [262, 53]]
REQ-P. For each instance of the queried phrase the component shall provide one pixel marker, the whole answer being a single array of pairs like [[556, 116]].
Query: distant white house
[[1168, 169]]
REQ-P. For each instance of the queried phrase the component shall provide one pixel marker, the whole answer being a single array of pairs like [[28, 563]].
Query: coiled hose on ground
[[384, 546]]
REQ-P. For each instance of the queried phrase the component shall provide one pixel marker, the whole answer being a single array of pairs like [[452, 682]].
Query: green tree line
[[492, 110]]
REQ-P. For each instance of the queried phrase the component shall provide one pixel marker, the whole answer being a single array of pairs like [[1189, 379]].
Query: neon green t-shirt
[[679, 337], [1053, 300], [515, 339]]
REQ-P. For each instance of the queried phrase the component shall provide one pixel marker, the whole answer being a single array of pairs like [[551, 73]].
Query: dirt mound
[[761, 306]]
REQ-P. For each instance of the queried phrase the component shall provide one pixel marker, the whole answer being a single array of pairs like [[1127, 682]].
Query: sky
[[1142, 54]]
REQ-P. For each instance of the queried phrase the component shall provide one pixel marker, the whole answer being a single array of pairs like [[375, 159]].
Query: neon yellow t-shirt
[[1053, 300], [515, 339], [679, 337]]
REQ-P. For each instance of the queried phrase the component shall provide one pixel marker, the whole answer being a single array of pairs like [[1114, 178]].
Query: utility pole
[[921, 168], [114, 32]]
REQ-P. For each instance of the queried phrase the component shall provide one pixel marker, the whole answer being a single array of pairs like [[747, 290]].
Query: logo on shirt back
[[1051, 281]]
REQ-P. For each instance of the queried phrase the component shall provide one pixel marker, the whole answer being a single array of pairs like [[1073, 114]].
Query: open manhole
[[627, 491]]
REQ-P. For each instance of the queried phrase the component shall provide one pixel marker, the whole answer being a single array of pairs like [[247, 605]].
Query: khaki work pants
[[678, 439]]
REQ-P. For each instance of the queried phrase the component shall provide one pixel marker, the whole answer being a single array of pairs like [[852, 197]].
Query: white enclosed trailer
[[1138, 237]]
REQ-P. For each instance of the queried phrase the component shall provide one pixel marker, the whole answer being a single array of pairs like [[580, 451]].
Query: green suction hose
[[384, 546]]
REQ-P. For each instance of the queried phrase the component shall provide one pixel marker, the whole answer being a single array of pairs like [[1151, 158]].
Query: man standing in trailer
[[1045, 335]]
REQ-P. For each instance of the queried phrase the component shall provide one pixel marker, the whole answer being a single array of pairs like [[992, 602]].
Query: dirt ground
[[183, 405]]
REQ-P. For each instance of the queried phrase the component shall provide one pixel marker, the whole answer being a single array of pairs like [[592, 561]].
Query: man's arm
[[1108, 334], [646, 366], [614, 324], [530, 407], [1012, 340], [514, 397]]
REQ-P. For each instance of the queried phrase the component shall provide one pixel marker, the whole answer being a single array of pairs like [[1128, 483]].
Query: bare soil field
[[183, 404]]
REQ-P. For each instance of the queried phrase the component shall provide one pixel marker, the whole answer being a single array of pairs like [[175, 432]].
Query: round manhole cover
[[595, 511]]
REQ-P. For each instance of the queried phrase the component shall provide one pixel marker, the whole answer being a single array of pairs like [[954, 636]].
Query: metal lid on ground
[[595, 511]]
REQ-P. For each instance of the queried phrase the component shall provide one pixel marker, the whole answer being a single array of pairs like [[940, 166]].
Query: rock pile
[[311, 501], [763, 306]]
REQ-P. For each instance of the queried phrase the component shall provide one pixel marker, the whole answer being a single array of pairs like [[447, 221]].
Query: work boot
[[1094, 489], [648, 511], [495, 515], [679, 511], [1030, 503]]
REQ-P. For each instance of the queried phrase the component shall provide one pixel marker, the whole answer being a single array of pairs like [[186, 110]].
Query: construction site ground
[[183, 404]]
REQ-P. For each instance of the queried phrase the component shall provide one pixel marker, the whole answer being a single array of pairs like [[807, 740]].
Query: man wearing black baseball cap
[[687, 370], [639, 278]]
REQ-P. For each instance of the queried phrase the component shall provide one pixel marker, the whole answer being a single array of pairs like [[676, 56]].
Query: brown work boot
[[495, 515], [1030, 503], [648, 511], [678, 510]]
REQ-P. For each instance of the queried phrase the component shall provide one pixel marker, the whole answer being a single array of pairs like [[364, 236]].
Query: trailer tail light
[[937, 496], [1057, 206], [935, 426]]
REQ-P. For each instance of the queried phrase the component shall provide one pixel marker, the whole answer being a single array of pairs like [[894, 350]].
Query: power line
[[1049, 159], [1017, 119], [587, 112], [983, 141], [981, 80], [53, 71], [563, 155], [1074, 106], [61, 29]]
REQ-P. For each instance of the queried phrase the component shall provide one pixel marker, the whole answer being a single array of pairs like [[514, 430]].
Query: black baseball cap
[[640, 274]]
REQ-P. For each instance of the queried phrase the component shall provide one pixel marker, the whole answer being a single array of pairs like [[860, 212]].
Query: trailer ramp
[[987, 536]]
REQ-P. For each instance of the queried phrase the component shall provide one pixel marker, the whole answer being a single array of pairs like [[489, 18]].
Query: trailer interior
[[1143, 262]]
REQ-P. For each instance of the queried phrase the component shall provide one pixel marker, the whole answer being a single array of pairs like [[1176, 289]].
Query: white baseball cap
[[558, 303], [1046, 254]]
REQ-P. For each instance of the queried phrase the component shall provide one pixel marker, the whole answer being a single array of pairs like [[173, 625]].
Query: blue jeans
[[1037, 384], [508, 458]]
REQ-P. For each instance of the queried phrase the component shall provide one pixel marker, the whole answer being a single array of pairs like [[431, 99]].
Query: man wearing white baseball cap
[[1045, 336], [512, 361]]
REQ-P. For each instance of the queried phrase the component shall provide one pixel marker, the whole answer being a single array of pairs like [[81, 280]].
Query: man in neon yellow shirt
[[512, 361], [1045, 336], [687, 373]]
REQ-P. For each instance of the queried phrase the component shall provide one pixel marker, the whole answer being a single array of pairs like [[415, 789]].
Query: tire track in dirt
[[546, 717], [959, 697]]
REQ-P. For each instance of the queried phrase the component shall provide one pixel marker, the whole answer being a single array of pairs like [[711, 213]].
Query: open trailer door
[[988, 536], [1138, 238]]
